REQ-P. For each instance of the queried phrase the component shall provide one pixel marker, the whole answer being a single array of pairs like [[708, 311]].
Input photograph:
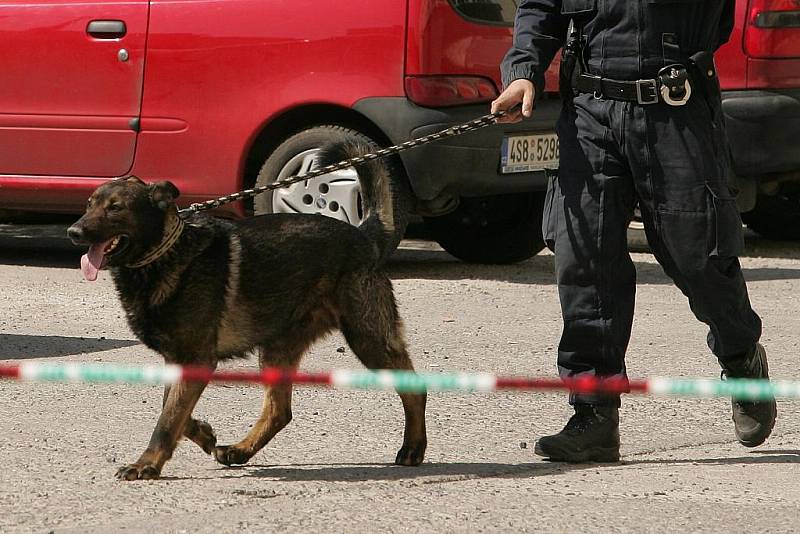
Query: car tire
[[498, 229], [776, 216], [335, 195]]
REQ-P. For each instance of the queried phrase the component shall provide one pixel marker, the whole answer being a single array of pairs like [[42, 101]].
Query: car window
[[487, 11]]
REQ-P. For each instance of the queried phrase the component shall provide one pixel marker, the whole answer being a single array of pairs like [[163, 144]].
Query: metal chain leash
[[476, 124]]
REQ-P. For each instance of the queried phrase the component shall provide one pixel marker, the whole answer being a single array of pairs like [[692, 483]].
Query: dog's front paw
[[138, 472], [230, 455], [410, 455]]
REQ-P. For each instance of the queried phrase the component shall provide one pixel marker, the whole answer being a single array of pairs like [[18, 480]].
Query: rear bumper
[[465, 165], [764, 129]]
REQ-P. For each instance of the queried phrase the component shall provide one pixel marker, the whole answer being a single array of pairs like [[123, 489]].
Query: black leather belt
[[671, 87], [639, 91]]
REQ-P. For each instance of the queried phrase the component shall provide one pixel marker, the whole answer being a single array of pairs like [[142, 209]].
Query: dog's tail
[[384, 200]]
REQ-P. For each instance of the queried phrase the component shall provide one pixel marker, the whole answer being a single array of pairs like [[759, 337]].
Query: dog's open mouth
[[99, 253]]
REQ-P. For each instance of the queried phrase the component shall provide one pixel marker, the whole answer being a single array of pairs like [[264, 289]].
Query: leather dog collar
[[172, 231]]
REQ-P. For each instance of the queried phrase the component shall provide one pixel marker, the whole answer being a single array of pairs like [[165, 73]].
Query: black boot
[[753, 421], [591, 435]]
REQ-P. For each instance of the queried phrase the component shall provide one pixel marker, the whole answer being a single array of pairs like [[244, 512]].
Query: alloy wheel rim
[[336, 195]]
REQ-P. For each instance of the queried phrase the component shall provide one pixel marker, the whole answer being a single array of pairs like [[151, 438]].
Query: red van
[[219, 96]]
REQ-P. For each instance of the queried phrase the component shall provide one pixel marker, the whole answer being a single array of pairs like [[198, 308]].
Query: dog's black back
[[259, 278]]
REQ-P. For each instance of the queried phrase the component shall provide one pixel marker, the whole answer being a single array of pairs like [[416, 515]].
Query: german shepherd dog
[[202, 290]]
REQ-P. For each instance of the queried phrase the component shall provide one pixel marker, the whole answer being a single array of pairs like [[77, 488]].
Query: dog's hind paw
[[138, 472], [410, 456], [201, 433], [230, 455]]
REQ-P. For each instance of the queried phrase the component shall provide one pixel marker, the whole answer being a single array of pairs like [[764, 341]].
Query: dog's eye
[[114, 207]]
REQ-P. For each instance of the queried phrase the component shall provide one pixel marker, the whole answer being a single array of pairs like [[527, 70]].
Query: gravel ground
[[331, 469]]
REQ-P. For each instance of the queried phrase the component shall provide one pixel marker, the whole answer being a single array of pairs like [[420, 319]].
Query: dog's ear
[[163, 194]]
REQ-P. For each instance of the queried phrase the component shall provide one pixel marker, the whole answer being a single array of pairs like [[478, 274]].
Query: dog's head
[[124, 219]]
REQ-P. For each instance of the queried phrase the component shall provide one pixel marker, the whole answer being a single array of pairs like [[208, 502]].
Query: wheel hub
[[336, 195]]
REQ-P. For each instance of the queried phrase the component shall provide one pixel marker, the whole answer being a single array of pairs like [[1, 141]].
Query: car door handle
[[107, 29]]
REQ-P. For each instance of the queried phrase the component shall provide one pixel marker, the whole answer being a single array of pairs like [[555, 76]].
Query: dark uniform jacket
[[624, 39]]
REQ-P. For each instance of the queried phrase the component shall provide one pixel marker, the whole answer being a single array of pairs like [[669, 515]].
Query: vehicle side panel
[[730, 58], [442, 42], [216, 74], [67, 100]]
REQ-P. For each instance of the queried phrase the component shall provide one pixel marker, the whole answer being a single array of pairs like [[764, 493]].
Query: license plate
[[523, 153]]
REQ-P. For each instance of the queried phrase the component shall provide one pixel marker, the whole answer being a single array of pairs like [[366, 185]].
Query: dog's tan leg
[[374, 331], [415, 439], [201, 433], [276, 413], [198, 431], [171, 425]]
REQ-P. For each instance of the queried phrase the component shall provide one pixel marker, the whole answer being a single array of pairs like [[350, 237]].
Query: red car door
[[70, 86]]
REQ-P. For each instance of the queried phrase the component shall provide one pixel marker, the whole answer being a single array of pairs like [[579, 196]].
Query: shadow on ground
[[759, 457], [47, 246], [43, 244], [430, 264], [439, 265], [25, 347], [26, 257], [437, 473], [651, 273], [428, 473]]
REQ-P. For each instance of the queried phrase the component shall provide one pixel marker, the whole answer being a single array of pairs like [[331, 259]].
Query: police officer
[[641, 123]]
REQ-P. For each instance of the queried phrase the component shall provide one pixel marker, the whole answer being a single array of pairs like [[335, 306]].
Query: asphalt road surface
[[331, 469]]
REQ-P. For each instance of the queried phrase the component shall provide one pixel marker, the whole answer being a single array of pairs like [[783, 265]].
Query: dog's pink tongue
[[93, 261]]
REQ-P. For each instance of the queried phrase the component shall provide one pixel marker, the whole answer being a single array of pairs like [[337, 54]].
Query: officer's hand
[[518, 92]]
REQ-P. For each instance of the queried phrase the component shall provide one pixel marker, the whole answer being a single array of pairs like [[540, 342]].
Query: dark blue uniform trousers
[[674, 161]]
